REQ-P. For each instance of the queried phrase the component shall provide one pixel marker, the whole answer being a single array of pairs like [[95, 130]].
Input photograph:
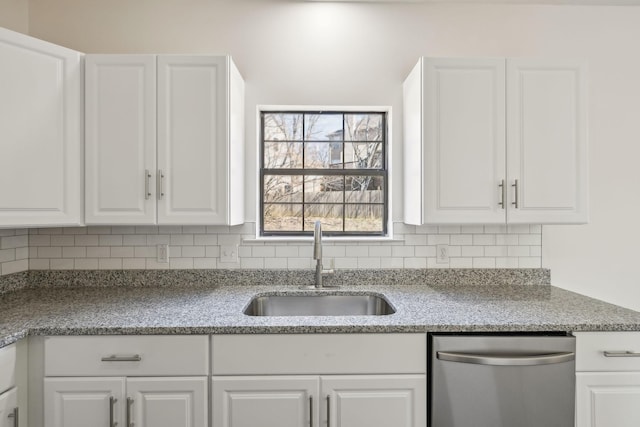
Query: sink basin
[[319, 305]]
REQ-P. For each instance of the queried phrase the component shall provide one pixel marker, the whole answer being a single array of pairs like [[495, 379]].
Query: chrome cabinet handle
[[621, 354], [503, 193], [147, 178], [128, 414], [515, 202], [114, 358], [310, 411], [160, 179], [506, 359], [112, 403], [14, 415], [328, 411]]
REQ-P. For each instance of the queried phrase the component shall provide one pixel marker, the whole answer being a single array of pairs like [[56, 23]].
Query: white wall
[[14, 15], [359, 53]]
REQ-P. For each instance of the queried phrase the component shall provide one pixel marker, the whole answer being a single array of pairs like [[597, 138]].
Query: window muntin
[[329, 166]]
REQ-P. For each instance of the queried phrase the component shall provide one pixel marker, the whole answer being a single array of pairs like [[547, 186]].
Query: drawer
[[591, 348], [139, 355], [7, 367], [319, 354]]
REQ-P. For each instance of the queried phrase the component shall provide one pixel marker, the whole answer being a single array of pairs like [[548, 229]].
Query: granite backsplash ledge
[[164, 278]]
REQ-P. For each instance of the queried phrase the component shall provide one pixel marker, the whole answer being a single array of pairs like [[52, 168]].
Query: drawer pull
[[114, 358], [129, 405], [621, 354]]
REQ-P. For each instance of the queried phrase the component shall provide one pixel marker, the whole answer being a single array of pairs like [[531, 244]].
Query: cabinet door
[[606, 399], [40, 132], [167, 402], [547, 141], [464, 140], [8, 405], [82, 402], [120, 153], [265, 401], [192, 139], [375, 401]]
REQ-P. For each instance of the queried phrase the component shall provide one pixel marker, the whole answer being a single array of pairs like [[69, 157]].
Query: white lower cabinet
[[346, 400], [608, 379], [335, 380], [9, 408], [143, 402], [126, 381]]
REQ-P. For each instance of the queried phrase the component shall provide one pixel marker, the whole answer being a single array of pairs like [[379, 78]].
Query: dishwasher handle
[[506, 359]]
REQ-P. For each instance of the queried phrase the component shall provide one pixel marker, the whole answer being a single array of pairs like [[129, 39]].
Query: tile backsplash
[[14, 251], [199, 247]]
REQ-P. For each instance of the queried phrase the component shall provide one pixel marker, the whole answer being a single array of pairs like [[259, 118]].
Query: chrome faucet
[[317, 255]]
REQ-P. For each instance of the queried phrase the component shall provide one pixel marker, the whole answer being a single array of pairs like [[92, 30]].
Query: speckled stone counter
[[56, 305]]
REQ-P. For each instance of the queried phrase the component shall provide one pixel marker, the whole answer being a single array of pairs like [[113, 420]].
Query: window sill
[[325, 239]]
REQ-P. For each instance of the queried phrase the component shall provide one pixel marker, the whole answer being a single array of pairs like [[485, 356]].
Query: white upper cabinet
[[120, 153], [547, 141], [491, 141], [165, 140], [40, 132]]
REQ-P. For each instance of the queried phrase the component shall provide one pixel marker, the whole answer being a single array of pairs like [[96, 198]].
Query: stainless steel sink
[[319, 305]]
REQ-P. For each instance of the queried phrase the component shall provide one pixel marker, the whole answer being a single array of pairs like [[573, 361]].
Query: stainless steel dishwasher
[[502, 381]]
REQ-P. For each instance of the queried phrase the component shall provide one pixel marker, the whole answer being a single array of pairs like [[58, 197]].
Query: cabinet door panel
[[264, 401], [120, 139], [608, 399], [464, 131], [192, 135], [168, 401], [82, 402], [8, 402], [547, 141], [40, 132], [376, 401]]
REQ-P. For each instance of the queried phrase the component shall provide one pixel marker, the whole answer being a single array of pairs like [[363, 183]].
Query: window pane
[[363, 155], [279, 155], [323, 127], [364, 189], [363, 127], [282, 127], [278, 217], [323, 155], [364, 218], [282, 189], [329, 215], [323, 189]]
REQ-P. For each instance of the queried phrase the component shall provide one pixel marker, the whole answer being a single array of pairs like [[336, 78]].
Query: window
[[329, 166]]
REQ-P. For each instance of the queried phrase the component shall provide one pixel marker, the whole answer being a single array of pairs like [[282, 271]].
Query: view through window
[[329, 166]]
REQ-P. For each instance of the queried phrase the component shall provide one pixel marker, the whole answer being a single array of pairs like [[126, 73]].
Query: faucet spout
[[317, 252]]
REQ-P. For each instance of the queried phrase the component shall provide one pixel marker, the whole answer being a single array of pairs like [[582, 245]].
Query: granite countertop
[[217, 308]]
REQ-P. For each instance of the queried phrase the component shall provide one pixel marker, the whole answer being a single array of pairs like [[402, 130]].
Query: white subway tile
[[306, 251], [87, 240], [174, 251], [135, 240], [335, 251], [519, 251], [507, 239], [380, 251], [39, 264], [496, 251], [449, 229], [426, 251], [461, 239], [194, 229], [415, 263], [181, 263], [252, 263], [369, 262], [134, 263], [180, 239], [472, 229], [300, 263], [205, 239], [122, 252], [50, 252], [127, 229], [472, 251], [170, 229], [438, 239], [484, 263], [529, 262], [153, 264], [403, 251], [454, 251], [244, 251], [228, 239], [217, 229], [518, 228], [263, 251], [426, 229], [212, 251], [390, 262], [146, 229], [22, 253], [506, 262], [205, 263], [62, 240], [144, 252], [495, 229], [97, 252], [432, 263], [7, 255], [73, 230], [12, 242], [98, 230], [39, 240], [535, 229], [111, 240], [246, 228], [61, 264], [7, 232], [193, 251], [415, 239], [535, 251], [110, 264], [74, 252], [275, 263], [356, 251], [15, 266], [402, 228], [530, 239], [52, 230], [346, 263], [461, 262], [158, 239], [85, 264], [484, 239]]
